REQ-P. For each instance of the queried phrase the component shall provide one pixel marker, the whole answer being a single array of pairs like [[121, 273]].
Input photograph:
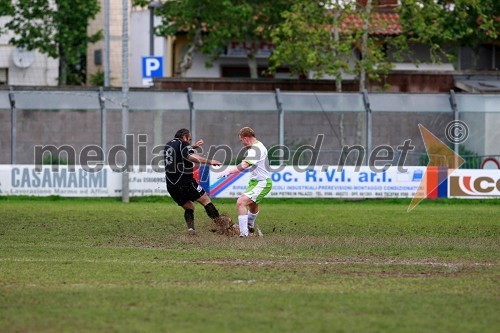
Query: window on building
[[487, 58], [3, 76], [242, 71]]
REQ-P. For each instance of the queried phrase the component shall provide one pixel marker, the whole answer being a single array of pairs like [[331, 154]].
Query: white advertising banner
[[326, 182], [288, 182], [472, 184], [147, 182], [76, 182]]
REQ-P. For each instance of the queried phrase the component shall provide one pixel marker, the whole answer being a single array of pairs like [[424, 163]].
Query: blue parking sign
[[152, 67]]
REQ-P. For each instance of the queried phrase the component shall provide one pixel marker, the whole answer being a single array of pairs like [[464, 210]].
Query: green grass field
[[77, 265]]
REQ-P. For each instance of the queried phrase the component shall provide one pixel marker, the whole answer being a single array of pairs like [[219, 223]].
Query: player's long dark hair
[[182, 132]]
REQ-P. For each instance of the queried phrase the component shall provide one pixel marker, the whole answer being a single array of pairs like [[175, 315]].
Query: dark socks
[[212, 212], [189, 217]]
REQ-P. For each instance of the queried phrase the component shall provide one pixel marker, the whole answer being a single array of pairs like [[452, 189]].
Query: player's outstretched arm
[[238, 168], [195, 158]]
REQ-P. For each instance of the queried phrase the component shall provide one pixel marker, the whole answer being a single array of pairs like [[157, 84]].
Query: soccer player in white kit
[[260, 183]]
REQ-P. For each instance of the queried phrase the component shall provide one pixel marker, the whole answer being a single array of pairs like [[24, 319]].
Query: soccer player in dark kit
[[179, 158]]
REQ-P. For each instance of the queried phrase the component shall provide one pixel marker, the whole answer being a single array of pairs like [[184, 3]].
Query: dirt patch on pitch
[[224, 225], [390, 268], [345, 262]]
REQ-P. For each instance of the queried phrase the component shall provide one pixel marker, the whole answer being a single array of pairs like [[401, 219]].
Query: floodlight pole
[[151, 30], [152, 6]]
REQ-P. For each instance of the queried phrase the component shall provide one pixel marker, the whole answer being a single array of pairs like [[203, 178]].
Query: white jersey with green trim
[[257, 158]]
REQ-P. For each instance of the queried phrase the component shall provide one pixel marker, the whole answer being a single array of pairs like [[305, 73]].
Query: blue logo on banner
[[417, 175], [152, 67]]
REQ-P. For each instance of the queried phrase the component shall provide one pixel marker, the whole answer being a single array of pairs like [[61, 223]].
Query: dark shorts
[[183, 192]]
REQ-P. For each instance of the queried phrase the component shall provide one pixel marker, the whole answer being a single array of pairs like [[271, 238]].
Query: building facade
[[233, 62], [139, 43], [25, 68]]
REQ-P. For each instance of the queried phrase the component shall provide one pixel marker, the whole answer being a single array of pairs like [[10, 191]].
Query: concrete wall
[[484, 134], [477, 126], [492, 132], [80, 128]]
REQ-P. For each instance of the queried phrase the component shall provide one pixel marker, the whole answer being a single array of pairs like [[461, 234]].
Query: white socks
[[251, 219], [243, 222]]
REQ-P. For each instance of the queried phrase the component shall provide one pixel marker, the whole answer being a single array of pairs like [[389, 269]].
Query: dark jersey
[[177, 166]]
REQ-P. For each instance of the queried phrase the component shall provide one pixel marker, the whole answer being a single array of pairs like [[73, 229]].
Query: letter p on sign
[[151, 67]]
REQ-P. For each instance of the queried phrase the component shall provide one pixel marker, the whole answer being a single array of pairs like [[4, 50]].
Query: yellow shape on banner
[[440, 155]]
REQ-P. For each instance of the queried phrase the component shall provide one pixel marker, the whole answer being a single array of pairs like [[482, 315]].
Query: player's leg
[[253, 211], [256, 192], [189, 216], [193, 192], [181, 197], [210, 209], [242, 203]]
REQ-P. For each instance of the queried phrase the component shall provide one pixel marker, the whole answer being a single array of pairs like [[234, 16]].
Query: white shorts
[[258, 189]]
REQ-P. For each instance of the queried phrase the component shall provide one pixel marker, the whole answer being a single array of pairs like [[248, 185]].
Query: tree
[[56, 28], [211, 25], [190, 17], [6, 9], [332, 37], [442, 22], [322, 37], [308, 40]]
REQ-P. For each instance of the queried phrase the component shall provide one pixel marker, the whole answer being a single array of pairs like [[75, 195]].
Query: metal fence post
[[13, 131], [192, 112], [366, 102], [125, 106], [281, 119], [454, 108], [102, 105]]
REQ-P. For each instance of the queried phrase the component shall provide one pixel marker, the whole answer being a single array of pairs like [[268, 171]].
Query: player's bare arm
[[198, 144], [195, 158], [238, 168]]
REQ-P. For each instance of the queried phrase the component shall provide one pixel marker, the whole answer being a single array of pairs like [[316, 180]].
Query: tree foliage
[[306, 41], [322, 36], [319, 36], [6, 9], [441, 22], [56, 28], [211, 25]]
